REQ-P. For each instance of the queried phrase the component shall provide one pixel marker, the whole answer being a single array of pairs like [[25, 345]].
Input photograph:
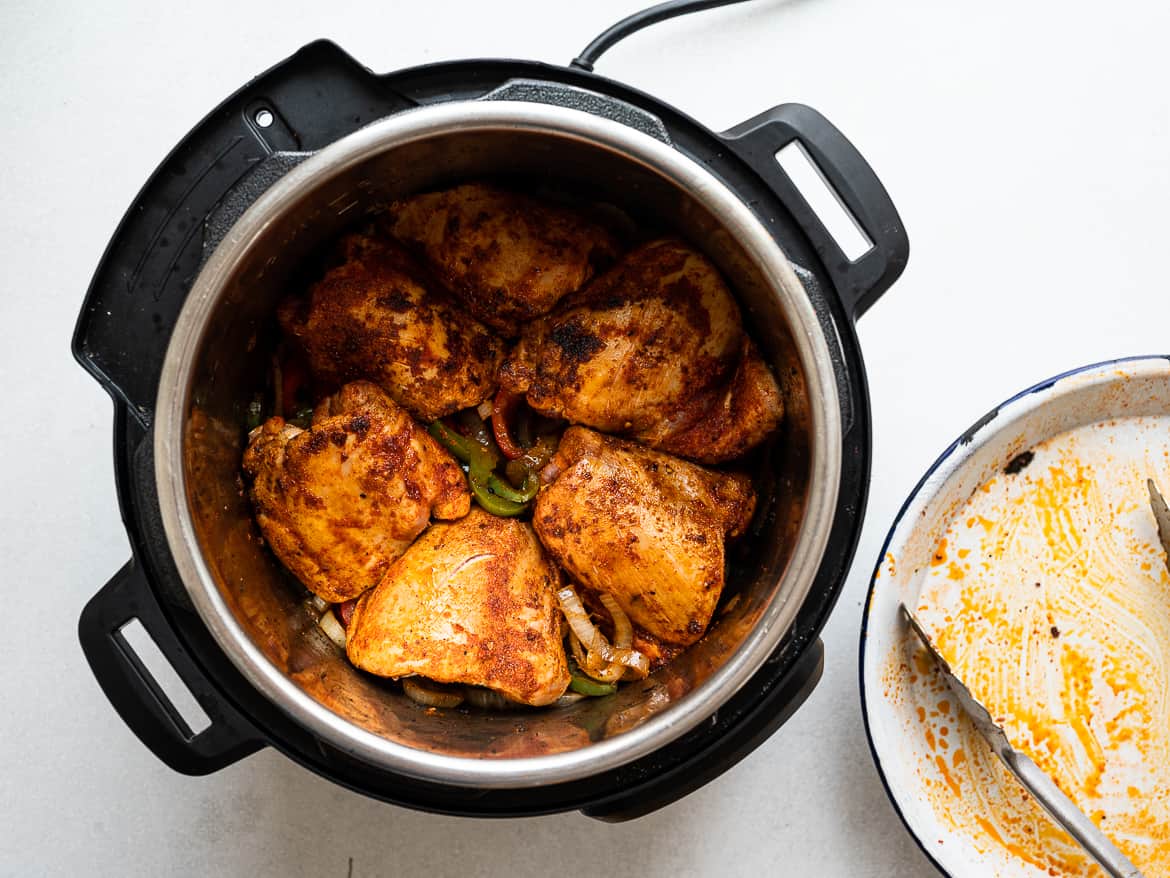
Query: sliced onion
[[623, 631], [605, 673], [577, 649], [589, 634], [569, 698], [485, 409], [332, 628], [550, 471], [318, 604], [597, 668], [603, 662], [634, 660], [422, 694], [591, 665], [488, 699]]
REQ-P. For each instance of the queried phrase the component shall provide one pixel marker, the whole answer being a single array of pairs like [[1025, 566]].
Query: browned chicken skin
[[734, 417], [644, 526], [509, 257], [378, 316], [654, 349], [470, 602], [339, 502]]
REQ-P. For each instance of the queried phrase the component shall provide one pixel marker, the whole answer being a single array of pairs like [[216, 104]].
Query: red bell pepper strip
[[502, 410], [294, 376]]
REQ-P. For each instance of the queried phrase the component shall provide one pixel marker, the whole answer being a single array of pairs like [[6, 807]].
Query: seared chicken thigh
[[470, 602], [643, 526], [728, 421], [509, 257], [378, 316], [654, 349], [340, 501]]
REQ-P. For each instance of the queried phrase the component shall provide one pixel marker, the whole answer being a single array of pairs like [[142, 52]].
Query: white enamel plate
[[1030, 550]]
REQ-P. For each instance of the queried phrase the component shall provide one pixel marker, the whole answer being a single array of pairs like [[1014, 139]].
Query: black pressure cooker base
[[305, 103]]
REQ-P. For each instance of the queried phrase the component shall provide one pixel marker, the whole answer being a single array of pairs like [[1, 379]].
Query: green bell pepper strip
[[479, 432], [493, 504], [591, 687], [523, 494], [482, 464], [460, 446], [492, 492]]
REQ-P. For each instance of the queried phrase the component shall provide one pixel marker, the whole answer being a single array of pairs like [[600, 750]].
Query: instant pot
[[178, 327]]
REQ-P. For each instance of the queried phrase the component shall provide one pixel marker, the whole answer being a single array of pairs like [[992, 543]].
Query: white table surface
[[1027, 146]]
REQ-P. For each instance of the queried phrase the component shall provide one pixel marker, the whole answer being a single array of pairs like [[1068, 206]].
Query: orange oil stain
[[1035, 633]]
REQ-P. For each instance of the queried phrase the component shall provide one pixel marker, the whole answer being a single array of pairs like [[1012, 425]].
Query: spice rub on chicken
[[471, 602], [509, 256], [654, 350], [379, 316], [642, 526], [581, 383], [337, 503]]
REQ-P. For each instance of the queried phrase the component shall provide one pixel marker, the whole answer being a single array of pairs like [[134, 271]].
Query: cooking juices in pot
[[506, 446]]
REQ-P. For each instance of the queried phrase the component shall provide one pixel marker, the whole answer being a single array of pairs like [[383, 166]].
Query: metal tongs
[[1162, 516], [1060, 807], [1043, 788]]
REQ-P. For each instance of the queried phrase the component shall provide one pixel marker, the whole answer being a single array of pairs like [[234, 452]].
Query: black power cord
[[639, 20]]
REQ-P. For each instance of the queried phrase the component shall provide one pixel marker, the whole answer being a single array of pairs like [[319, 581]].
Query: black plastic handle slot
[[861, 281], [137, 696]]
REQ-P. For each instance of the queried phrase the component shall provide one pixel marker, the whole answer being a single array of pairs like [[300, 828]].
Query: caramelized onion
[[549, 473], [623, 631], [577, 650], [603, 662], [588, 633], [332, 628], [633, 660], [600, 670], [422, 694], [488, 699]]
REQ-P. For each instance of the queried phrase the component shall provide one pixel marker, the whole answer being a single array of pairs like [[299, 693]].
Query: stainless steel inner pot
[[221, 347]]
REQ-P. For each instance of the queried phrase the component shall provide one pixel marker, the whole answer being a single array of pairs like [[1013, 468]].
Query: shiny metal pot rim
[[174, 406]]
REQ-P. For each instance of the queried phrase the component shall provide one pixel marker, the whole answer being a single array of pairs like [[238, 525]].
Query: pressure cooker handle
[[137, 696], [859, 281], [300, 105]]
